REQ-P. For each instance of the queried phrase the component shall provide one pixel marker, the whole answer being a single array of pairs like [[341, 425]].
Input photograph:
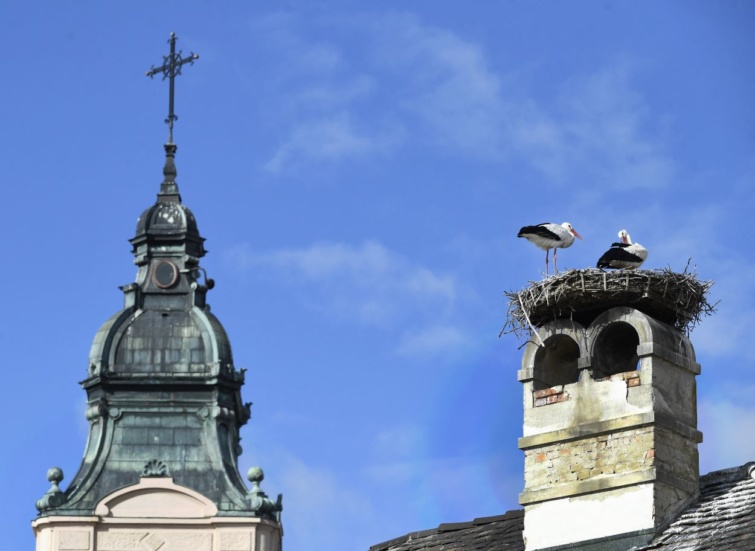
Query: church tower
[[160, 469], [610, 417]]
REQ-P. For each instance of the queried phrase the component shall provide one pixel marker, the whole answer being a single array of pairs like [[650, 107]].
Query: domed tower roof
[[168, 223], [167, 218], [164, 405], [153, 342], [166, 326], [164, 395]]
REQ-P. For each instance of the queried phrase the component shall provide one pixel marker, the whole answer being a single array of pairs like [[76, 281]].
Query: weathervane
[[171, 68]]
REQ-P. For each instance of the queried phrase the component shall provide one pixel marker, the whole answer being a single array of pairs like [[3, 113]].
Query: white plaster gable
[[155, 498]]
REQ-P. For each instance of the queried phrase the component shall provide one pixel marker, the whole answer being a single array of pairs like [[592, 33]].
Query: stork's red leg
[[546, 260], [555, 265]]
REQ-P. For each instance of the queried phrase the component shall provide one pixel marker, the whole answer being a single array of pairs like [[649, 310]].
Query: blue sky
[[360, 171]]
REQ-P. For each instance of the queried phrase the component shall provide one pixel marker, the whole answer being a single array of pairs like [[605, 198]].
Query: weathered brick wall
[[559, 393], [620, 452]]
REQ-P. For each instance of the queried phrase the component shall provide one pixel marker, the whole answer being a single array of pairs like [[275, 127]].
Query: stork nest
[[678, 299]]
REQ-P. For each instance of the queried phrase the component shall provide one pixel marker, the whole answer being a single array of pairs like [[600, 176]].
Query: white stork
[[550, 236], [624, 255]]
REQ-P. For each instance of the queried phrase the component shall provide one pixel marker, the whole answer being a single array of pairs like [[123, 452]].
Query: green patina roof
[[163, 392]]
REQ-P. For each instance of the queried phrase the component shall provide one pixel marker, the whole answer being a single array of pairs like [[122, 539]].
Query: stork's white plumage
[[625, 255], [549, 236]]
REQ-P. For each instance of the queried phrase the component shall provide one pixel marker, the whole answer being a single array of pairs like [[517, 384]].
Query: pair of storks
[[547, 236]]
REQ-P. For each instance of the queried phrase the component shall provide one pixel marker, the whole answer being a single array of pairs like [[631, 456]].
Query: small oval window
[[166, 274]]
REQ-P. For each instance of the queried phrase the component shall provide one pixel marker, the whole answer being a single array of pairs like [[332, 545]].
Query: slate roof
[[722, 519], [499, 533]]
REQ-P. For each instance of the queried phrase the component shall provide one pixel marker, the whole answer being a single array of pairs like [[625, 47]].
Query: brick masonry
[[626, 451], [550, 396], [620, 452], [557, 393]]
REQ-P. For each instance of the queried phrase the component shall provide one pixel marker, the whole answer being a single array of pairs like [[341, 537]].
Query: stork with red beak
[[549, 236], [624, 255]]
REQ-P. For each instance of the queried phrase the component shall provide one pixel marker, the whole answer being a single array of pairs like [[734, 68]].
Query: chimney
[[610, 416]]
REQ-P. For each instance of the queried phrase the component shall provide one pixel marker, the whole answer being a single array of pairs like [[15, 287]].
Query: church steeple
[[164, 407], [167, 246]]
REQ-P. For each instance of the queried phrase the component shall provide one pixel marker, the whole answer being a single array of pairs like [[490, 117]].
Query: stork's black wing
[[541, 230], [617, 253]]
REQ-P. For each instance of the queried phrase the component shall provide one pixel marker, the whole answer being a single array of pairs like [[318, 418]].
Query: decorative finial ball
[[255, 474], [54, 474]]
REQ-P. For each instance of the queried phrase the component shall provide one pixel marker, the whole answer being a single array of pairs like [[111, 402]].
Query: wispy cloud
[[608, 124], [373, 285], [445, 92], [449, 87], [593, 125], [368, 266], [437, 340], [331, 95], [328, 138]]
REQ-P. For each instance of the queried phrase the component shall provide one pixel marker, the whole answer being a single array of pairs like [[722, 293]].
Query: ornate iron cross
[[171, 68]]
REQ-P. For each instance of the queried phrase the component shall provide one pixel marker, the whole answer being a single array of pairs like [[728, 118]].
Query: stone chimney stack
[[610, 429]]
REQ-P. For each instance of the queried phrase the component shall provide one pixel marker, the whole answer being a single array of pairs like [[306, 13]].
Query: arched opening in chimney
[[615, 350], [556, 363]]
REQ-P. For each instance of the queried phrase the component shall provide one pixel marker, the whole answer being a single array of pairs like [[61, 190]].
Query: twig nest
[[677, 299]]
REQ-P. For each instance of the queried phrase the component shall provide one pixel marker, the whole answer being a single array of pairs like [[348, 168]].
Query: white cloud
[[448, 84], [404, 82], [433, 341], [314, 87], [328, 139], [324, 96], [608, 125], [368, 283], [595, 125], [321, 58]]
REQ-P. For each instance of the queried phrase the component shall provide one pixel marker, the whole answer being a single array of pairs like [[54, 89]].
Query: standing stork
[[624, 255], [549, 236]]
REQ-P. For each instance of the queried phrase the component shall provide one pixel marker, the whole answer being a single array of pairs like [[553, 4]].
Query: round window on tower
[[165, 274]]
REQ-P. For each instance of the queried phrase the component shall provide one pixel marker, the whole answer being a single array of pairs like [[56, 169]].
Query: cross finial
[[171, 68]]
